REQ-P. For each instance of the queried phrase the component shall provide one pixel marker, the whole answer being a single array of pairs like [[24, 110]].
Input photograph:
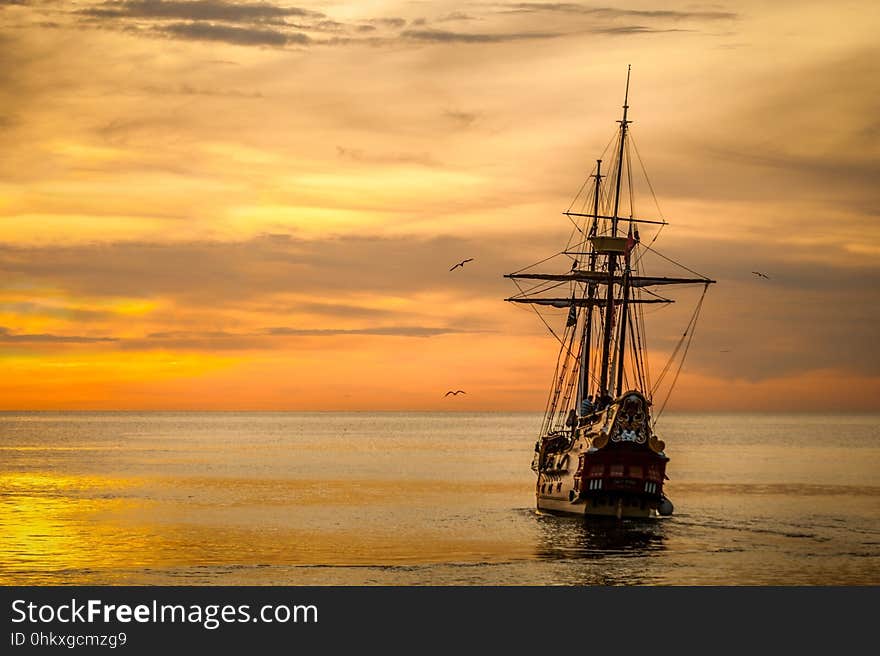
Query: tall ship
[[598, 453]]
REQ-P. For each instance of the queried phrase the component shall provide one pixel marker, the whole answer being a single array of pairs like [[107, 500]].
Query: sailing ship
[[598, 453]]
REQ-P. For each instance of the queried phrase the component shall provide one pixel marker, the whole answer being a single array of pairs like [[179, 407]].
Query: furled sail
[[602, 278], [581, 302]]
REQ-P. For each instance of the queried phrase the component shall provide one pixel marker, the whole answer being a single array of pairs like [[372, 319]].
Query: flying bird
[[761, 275], [462, 263], [455, 393]]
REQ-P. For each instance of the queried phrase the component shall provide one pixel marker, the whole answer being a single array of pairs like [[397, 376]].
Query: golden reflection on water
[[94, 529], [47, 524]]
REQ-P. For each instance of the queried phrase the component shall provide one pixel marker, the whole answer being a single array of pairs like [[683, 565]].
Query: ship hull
[[610, 465], [620, 508]]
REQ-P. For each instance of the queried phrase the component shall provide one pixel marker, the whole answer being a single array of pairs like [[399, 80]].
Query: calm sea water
[[421, 498]]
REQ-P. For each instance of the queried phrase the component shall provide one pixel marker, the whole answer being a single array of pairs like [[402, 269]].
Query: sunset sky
[[254, 205]]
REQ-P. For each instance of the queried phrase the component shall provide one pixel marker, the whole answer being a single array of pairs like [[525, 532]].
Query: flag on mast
[[630, 242]]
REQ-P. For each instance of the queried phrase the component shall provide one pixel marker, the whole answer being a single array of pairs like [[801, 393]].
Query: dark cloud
[[242, 36], [443, 36], [190, 90], [327, 26], [396, 331], [261, 271], [269, 338], [461, 118], [195, 341], [454, 16], [632, 29], [210, 334], [337, 310], [46, 338], [197, 10], [808, 316], [59, 312], [236, 270], [269, 24], [610, 12], [829, 312], [245, 24], [286, 331], [395, 23]]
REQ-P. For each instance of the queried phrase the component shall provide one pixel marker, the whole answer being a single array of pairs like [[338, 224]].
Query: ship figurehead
[[631, 424]]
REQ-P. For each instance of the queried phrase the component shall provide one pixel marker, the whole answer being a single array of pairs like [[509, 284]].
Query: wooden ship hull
[[608, 465]]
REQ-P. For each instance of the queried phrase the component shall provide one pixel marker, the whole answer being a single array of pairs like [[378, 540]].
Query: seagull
[[462, 263], [761, 275], [455, 393]]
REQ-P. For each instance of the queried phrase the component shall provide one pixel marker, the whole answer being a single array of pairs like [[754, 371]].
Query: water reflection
[[601, 551], [394, 499]]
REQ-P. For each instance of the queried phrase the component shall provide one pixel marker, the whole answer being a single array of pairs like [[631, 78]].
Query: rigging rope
[[540, 262], [602, 156], [678, 264], [689, 333], [629, 182], [647, 179]]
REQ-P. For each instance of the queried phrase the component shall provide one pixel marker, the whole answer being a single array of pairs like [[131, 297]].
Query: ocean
[[230, 498]]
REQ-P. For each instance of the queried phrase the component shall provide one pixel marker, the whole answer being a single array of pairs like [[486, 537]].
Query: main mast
[[612, 257]]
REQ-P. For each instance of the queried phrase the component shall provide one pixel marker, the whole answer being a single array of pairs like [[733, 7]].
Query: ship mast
[[584, 380], [612, 257], [576, 369]]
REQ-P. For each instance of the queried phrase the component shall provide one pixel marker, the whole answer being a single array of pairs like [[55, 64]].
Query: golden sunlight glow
[[238, 214]]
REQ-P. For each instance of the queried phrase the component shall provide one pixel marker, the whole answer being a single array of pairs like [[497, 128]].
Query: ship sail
[[602, 371]]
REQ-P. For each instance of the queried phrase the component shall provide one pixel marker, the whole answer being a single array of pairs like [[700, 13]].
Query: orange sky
[[235, 205]]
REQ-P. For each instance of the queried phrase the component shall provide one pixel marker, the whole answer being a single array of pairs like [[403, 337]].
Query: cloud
[[211, 272], [243, 36], [443, 36], [26, 308], [337, 310], [197, 10], [632, 29], [610, 12], [454, 16], [276, 25], [269, 338], [461, 118], [243, 24], [810, 315], [826, 311], [286, 331], [393, 22], [45, 338], [397, 331], [190, 90]]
